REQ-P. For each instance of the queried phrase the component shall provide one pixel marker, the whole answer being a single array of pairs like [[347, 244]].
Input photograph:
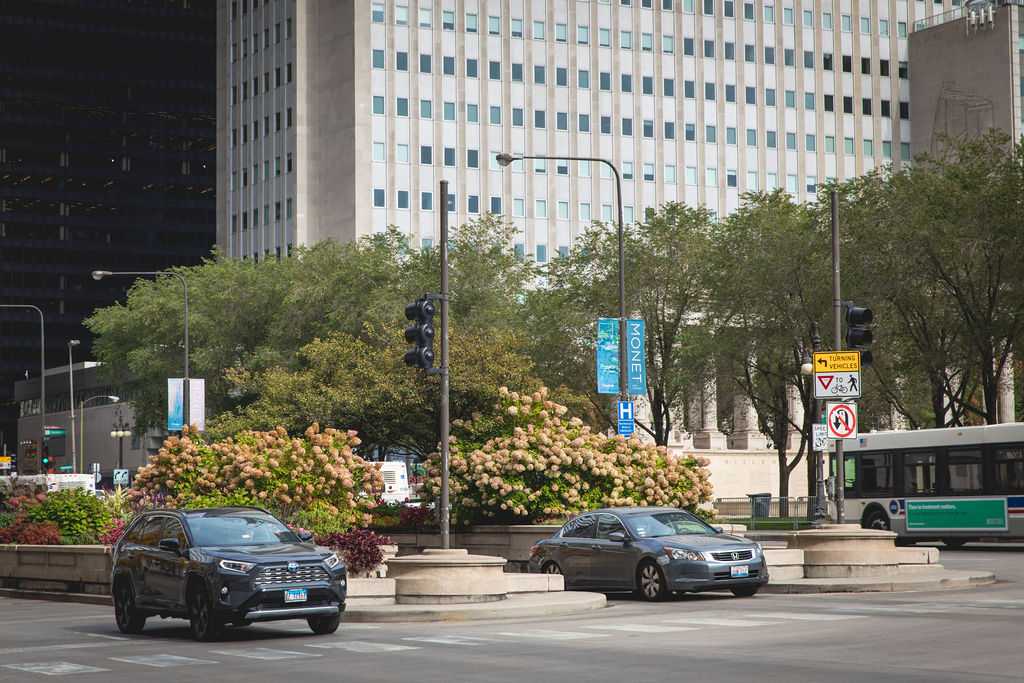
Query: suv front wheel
[[323, 626], [126, 614], [204, 624]]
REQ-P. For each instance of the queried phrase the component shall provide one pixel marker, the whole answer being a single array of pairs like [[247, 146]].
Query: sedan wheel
[[204, 624], [125, 613], [551, 568], [652, 585]]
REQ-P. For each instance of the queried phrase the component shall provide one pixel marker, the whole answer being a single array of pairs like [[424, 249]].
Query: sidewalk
[[514, 607], [920, 579]]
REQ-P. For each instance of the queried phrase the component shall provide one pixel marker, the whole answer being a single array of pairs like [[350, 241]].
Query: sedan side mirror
[[305, 535], [617, 537], [170, 545], [718, 529]]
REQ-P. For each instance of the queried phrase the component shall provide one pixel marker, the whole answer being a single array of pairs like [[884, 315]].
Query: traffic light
[[420, 334], [858, 331]]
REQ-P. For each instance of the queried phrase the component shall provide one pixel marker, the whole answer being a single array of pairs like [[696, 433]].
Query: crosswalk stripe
[[553, 635], [362, 646], [264, 653], [54, 668], [163, 661], [714, 621], [471, 641], [804, 616], [640, 628]]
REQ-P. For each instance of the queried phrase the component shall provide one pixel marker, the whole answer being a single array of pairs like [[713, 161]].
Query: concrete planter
[[59, 568]]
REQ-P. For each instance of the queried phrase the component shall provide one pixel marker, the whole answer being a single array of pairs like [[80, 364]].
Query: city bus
[[955, 484]]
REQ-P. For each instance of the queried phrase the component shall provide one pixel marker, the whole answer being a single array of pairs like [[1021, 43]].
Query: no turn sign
[[841, 419]]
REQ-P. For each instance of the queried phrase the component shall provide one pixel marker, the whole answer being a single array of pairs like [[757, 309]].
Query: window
[[730, 135], [542, 253], [670, 130], [561, 120], [426, 17], [627, 82], [769, 54], [473, 203], [517, 116], [904, 110], [788, 56], [402, 106], [583, 79], [963, 469], [709, 91], [473, 158], [1009, 470], [427, 201], [751, 95], [518, 207], [426, 109], [426, 155], [865, 25], [584, 123], [865, 65], [826, 21], [471, 68], [919, 473], [709, 48], [769, 97], [848, 148], [424, 64], [830, 144], [495, 117], [791, 99], [883, 27], [883, 67], [494, 25], [730, 177], [827, 61], [378, 63], [904, 70], [496, 205], [810, 142], [401, 15], [866, 106], [646, 42], [626, 40], [668, 44], [691, 175], [378, 108], [538, 30], [377, 13], [516, 28], [647, 86], [403, 199], [472, 113], [808, 59], [751, 137], [627, 170], [540, 209], [448, 20], [494, 70], [561, 33], [830, 103], [787, 16], [877, 474], [809, 101], [449, 156], [688, 91], [538, 119], [402, 153], [670, 174], [690, 132], [449, 111], [711, 176], [581, 527], [905, 151], [472, 25], [846, 22], [847, 104], [668, 88], [688, 47], [606, 125], [730, 51], [627, 126], [790, 140], [901, 29], [378, 151], [710, 134], [401, 61], [378, 197]]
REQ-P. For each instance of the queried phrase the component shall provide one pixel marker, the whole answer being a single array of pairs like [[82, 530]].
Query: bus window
[[1009, 470], [919, 473], [964, 471], [877, 473]]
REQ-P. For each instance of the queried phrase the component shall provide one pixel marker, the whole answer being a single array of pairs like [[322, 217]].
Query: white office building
[[337, 118]]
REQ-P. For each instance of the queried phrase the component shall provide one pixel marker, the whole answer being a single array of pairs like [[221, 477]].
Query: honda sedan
[[653, 551]]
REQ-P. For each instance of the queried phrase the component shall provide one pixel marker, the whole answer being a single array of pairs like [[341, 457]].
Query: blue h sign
[[627, 423]]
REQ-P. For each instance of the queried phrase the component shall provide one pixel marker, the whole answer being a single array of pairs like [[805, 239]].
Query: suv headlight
[[235, 566], [681, 554], [332, 560]]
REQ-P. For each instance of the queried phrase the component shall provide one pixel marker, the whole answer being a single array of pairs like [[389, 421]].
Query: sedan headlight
[[235, 566], [681, 554], [332, 560]]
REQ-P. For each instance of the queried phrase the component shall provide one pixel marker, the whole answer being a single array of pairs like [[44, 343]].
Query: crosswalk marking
[[163, 661], [804, 616], [553, 635], [640, 628], [471, 641], [263, 653], [715, 621], [362, 646], [892, 609], [54, 668]]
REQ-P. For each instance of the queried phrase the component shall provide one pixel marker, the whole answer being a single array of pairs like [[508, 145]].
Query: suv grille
[[279, 575], [733, 555]]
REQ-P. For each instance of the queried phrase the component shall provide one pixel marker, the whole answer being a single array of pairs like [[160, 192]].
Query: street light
[[506, 159], [42, 376], [72, 343], [119, 432], [81, 422], [100, 274]]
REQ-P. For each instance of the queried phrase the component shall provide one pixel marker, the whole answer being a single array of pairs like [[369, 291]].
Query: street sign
[[5, 462], [95, 469], [54, 432], [837, 385], [821, 440], [841, 420], [836, 361], [627, 423], [120, 477]]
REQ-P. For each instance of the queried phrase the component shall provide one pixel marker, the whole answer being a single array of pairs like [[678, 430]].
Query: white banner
[[197, 403]]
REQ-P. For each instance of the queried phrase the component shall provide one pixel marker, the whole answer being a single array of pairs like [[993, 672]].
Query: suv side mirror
[[305, 535], [617, 537], [170, 545]]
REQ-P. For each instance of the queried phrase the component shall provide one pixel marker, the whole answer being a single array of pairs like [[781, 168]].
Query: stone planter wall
[[511, 541], [59, 568]]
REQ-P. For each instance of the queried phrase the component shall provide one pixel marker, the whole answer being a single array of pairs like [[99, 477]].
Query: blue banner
[[607, 355], [636, 365], [175, 404]]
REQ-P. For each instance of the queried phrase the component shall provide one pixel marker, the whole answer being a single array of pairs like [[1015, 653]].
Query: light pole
[[100, 274], [506, 159], [72, 343], [81, 422], [807, 369], [42, 377], [120, 431]]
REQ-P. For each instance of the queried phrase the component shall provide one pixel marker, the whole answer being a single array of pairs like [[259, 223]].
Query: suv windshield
[[671, 523], [239, 529]]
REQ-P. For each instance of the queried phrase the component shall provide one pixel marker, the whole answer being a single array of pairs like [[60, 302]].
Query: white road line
[[714, 621], [163, 661], [102, 635], [40, 620], [893, 609], [44, 648], [363, 646], [54, 668], [640, 628], [264, 653], [471, 641], [804, 616], [553, 635]]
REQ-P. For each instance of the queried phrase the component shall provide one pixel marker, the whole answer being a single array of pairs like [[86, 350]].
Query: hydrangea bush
[[527, 462], [289, 475]]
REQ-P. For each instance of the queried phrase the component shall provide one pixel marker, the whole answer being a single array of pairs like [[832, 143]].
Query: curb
[[53, 596], [545, 605], [810, 586]]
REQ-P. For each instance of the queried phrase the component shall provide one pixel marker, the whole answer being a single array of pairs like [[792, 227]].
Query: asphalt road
[[969, 635]]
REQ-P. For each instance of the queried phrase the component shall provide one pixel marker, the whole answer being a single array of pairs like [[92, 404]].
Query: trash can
[[760, 505]]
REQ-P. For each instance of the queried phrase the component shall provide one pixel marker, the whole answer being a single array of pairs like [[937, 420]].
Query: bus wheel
[[876, 519]]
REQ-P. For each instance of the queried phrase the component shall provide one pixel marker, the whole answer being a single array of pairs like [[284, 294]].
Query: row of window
[[288, 122], [957, 471], [583, 121], [538, 28], [541, 71], [279, 80], [266, 216], [255, 44], [255, 176]]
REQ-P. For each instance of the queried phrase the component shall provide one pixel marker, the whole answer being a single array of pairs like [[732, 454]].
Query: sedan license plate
[[295, 595], [740, 571]]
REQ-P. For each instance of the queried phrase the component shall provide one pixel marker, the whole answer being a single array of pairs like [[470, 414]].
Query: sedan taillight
[[534, 550]]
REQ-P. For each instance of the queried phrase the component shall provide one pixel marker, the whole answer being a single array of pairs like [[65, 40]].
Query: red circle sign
[[842, 421]]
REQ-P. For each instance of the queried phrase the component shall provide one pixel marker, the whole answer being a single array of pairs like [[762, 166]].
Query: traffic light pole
[[444, 426], [837, 329]]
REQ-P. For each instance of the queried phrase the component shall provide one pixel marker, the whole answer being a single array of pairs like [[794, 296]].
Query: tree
[[666, 257]]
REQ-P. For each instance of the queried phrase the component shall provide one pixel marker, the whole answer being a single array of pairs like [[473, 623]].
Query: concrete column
[[708, 435], [796, 416], [745, 434], [1005, 403]]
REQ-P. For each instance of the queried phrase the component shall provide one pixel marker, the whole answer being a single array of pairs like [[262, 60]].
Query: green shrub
[[79, 515], [317, 476], [525, 463]]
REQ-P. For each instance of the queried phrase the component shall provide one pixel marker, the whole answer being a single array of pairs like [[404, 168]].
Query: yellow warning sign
[[837, 361]]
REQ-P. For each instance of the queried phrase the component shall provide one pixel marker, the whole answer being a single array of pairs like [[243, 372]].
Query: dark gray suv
[[653, 551], [220, 566]]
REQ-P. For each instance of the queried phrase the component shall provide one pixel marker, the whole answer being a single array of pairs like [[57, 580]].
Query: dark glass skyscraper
[[107, 161]]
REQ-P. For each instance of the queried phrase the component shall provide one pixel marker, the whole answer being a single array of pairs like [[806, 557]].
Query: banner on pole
[[607, 355], [175, 404], [636, 367], [197, 403]]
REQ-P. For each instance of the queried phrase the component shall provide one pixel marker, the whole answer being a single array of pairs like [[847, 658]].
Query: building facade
[[107, 134], [337, 119]]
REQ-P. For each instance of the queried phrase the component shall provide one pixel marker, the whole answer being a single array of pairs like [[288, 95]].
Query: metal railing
[[961, 12], [765, 511]]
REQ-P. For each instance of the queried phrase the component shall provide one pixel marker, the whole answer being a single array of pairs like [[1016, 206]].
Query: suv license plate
[[295, 595], [740, 571]]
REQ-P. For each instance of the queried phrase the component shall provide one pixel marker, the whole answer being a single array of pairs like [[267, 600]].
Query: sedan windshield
[[669, 523], [239, 529]]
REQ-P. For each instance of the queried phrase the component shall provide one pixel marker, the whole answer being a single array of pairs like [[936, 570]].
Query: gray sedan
[[653, 551]]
